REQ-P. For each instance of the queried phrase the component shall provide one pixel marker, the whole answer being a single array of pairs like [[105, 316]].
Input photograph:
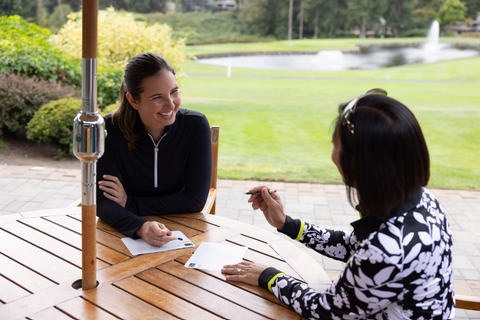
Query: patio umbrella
[[89, 141]]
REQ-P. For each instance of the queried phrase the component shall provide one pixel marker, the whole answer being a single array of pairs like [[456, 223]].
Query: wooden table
[[40, 258]]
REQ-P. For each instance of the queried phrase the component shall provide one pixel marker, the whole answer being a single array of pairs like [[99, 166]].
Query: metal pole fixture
[[89, 142]]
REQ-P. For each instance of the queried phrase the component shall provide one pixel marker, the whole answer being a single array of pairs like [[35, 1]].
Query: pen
[[259, 192]]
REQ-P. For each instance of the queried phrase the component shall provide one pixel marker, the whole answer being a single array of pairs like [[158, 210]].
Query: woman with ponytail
[[157, 156]]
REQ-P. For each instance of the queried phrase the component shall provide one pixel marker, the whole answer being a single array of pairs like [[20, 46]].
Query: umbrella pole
[[88, 141]]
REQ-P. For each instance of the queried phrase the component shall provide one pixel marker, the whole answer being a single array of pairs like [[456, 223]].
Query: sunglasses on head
[[352, 105]]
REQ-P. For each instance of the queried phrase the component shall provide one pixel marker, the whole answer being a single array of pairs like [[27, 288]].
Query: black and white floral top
[[400, 268]]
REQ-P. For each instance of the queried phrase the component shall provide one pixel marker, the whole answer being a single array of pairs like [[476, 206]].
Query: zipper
[[155, 160]]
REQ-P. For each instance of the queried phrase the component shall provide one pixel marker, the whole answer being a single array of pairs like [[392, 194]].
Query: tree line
[[284, 19], [327, 18]]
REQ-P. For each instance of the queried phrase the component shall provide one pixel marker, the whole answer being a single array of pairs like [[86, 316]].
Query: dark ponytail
[[138, 69]]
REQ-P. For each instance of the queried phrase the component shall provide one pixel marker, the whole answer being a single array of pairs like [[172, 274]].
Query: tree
[[313, 10], [398, 15], [58, 17], [23, 8], [143, 6], [473, 7], [451, 12], [362, 12], [259, 17], [290, 18]]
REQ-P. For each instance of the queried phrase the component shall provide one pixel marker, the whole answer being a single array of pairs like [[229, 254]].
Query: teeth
[[167, 114]]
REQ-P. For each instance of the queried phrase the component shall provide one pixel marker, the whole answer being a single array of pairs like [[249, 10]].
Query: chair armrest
[[210, 204], [467, 302]]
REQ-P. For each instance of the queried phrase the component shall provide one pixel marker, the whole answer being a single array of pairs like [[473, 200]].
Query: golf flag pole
[[89, 142]]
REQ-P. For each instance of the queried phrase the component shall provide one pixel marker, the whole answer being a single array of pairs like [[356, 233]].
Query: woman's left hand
[[113, 189], [247, 272]]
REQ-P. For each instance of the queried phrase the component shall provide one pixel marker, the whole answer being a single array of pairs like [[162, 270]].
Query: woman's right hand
[[155, 233], [270, 204]]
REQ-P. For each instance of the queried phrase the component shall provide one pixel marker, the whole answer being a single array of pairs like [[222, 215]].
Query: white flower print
[[422, 262], [427, 289], [408, 257]]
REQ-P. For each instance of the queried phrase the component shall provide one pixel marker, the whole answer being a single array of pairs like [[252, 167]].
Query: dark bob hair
[[386, 160]]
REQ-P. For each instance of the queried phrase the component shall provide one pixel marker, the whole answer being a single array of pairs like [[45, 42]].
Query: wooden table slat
[[256, 245], [49, 244], [105, 238], [104, 253], [240, 227], [252, 289], [37, 302], [10, 291], [49, 314], [43, 262], [10, 218], [66, 222], [190, 230], [164, 300], [25, 277], [191, 223], [228, 291], [198, 296], [79, 308], [124, 305], [271, 262], [312, 273], [143, 262]]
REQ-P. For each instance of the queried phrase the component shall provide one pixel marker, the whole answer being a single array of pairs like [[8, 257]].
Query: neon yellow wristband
[[300, 232], [273, 279]]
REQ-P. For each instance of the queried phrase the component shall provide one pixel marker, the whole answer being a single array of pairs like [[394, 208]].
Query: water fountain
[[433, 33], [431, 48], [374, 57]]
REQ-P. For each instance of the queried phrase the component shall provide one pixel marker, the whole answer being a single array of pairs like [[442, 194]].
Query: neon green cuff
[[273, 279], [300, 232]]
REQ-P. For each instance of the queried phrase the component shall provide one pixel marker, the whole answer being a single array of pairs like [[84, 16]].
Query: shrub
[[109, 80], [54, 123], [27, 48], [120, 38], [21, 97], [109, 109]]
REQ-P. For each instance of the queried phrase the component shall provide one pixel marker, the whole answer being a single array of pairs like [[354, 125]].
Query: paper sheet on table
[[213, 256], [139, 246]]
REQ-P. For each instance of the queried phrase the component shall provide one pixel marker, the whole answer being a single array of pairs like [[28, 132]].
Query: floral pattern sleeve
[[403, 270], [337, 245]]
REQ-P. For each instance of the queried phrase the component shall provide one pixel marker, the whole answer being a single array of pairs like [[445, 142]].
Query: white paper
[[139, 246], [213, 256]]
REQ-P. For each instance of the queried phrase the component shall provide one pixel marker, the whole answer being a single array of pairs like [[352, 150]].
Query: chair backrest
[[211, 204], [214, 136]]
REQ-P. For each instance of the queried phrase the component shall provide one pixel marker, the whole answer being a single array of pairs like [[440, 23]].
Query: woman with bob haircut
[[399, 255], [158, 157]]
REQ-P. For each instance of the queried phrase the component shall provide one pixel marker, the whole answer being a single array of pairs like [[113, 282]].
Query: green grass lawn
[[278, 128]]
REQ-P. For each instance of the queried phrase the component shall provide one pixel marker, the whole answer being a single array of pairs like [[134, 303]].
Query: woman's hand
[[155, 233], [113, 189], [247, 272], [270, 204]]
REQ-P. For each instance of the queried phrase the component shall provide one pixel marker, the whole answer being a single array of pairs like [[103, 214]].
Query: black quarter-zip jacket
[[173, 177]]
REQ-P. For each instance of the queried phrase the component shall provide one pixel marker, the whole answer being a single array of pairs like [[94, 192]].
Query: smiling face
[[158, 103]]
